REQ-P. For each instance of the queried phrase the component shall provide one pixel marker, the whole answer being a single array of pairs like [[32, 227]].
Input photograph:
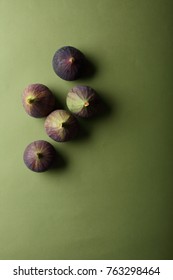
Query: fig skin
[[61, 126], [68, 63], [82, 101], [39, 155], [38, 101]]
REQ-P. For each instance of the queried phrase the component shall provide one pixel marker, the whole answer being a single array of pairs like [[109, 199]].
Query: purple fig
[[82, 101], [61, 126], [39, 155], [68, 63], [38, 101]]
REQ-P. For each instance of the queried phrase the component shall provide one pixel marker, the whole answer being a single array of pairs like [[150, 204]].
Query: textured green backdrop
[[112, 196]]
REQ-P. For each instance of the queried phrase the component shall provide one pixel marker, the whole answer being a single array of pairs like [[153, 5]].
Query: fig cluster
[[60, 125]]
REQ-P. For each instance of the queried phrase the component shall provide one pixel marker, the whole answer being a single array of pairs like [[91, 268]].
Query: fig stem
[[86, 103], [71, 59], [64, 124], [30, 100], [39, 155]]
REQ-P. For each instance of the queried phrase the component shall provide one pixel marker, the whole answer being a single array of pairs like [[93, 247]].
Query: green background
[[111, 198]]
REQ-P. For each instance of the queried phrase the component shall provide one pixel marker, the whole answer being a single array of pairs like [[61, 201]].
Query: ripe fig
[[82, 101], [38, 101], [68, 63], [61, 126], [39, 155]]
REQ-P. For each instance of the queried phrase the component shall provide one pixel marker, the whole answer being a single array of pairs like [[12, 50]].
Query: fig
[[82, 101], [38, 101], [68, 63], [61, 126], [39, 155]]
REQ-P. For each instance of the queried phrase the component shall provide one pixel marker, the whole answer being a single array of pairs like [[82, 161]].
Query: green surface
[[112, 196]]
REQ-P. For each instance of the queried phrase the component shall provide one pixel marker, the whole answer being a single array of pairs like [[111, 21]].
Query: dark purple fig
[[61, 126], [68, 63], [39, 155], [38, 101], [82, 101]]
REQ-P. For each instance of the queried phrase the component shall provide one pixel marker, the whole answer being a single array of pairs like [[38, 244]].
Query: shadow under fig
[[60, 162], [89, 69], [83, 133], [58, 104], [103, 109]]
